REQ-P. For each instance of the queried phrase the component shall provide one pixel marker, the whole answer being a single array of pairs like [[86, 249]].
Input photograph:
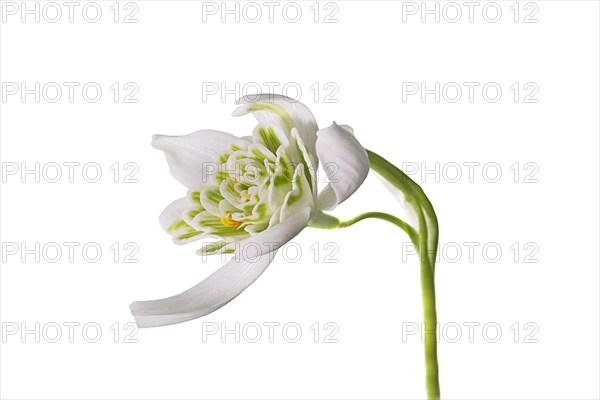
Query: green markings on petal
[[269, 138], [192, 213], [280, 180], [177, 226], [221, 175], [207, 221], [228, 191], [210, 199], [213, 195], [223, 158], [194, 196], [306, 158], [227, 232], [279, 186], [299, 197], [177, 219], [188, 235], [286, 165], [260, 211], [181, 231], [234, 147], [261, 153], [295, 195], [276, 109]]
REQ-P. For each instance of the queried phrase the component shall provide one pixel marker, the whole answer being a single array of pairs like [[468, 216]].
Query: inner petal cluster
[[247, 189], [251, 188]]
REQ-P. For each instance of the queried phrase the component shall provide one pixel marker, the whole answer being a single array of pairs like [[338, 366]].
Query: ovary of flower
[[263, 193]]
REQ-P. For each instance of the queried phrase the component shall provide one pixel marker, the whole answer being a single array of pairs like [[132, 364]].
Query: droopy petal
[[345, 162], [281, 111], [252, 257], [193, 158], [209, 295]]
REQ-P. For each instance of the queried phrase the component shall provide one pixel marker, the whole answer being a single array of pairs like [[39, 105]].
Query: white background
[[373, 291]]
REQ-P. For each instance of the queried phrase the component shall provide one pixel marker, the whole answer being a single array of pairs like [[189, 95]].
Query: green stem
[[426, 243], [428, 294], [430, 329], [409, 230], [427, 249], [414, 195]]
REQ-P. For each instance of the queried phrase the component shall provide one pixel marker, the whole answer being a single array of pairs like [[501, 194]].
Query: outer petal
[[284, 112], [345, 162], [252, 257], [193, 158]]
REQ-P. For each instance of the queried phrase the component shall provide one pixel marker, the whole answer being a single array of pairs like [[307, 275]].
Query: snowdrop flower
[[253, 194]]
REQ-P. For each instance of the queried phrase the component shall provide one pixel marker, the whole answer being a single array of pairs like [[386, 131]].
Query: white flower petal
[[345, 162], [348, 128], [176, 220], [209, 295], [274, 237], [193, 158], [283, 112], [299, 197], [253, 256], [327, 199], [310, 167]]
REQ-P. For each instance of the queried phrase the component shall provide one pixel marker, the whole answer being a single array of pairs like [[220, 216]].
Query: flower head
[[252, 194]]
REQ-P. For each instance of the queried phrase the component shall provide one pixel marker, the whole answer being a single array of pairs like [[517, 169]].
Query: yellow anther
[[227, 221], [247, 196]]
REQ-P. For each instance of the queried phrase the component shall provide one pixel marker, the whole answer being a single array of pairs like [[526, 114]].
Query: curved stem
[[412, 234], [427, 249], [426, 243], [415, 196], [428, 294]]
